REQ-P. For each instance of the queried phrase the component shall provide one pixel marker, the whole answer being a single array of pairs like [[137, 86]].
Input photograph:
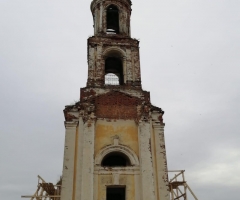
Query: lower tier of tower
[[114, 148]]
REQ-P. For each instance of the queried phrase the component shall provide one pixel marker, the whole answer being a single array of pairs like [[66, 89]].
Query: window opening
[[113, 66], [111, 79], [115, 159], [116, 193], [112, 20]]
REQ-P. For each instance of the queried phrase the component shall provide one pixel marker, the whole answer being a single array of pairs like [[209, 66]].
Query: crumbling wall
[[126, 48]]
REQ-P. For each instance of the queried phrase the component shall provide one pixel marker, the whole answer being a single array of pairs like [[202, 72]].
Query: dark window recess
[[112, 19], [116, 193], [114, 65], [115, 159]]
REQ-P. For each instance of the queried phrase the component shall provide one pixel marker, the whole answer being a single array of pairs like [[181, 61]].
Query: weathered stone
[[114, 120]]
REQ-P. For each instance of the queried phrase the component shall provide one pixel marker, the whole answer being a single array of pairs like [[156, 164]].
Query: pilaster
[[88, 161], [160, 160], [99, 63], [129, 65], [78, 160], [146, 166], [68, 163]]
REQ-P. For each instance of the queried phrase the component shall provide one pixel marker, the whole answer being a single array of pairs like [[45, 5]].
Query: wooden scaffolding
[[178, 187], [45, 191]]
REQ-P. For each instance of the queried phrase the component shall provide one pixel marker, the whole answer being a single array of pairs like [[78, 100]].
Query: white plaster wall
[[160, 159], [78, 168], [146, 167], [88, 161], [68, 162], [79, 156]]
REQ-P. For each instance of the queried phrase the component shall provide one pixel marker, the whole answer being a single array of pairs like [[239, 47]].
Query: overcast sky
[[190, 57]]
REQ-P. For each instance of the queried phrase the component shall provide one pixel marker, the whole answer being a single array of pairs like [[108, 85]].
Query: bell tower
[[114, 142], [111, 17], [112, 53]]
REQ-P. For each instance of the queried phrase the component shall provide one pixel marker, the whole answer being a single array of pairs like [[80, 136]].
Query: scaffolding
[[45, 191], [178, 187]]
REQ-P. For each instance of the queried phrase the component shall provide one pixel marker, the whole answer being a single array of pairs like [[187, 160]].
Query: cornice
[[71, 124]]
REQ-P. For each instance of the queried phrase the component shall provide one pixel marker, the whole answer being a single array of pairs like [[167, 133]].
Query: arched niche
[[121, 150]]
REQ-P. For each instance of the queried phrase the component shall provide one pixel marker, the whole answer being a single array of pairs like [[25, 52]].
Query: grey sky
[[190, 56]]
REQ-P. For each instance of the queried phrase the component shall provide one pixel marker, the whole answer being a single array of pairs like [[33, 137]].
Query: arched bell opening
[[115, 159], [113, 71], [112, 20]]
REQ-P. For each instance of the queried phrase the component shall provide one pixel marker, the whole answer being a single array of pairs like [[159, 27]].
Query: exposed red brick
[[116, 105], [85, 93]]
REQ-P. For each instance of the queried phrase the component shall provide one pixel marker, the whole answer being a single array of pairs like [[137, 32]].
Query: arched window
[[112, 19], [113, 70], [115, 159]]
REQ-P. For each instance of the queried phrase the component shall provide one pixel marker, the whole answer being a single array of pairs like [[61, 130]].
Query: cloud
[[221, 168]]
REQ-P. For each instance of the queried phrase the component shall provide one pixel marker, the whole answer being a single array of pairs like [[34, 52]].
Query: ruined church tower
[[114, 142]]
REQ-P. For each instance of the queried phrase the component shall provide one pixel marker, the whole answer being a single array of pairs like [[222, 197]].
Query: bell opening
[[113, 71], [112, 20]]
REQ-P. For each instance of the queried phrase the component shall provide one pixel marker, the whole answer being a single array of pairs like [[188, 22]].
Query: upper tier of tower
[[111, 17]]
